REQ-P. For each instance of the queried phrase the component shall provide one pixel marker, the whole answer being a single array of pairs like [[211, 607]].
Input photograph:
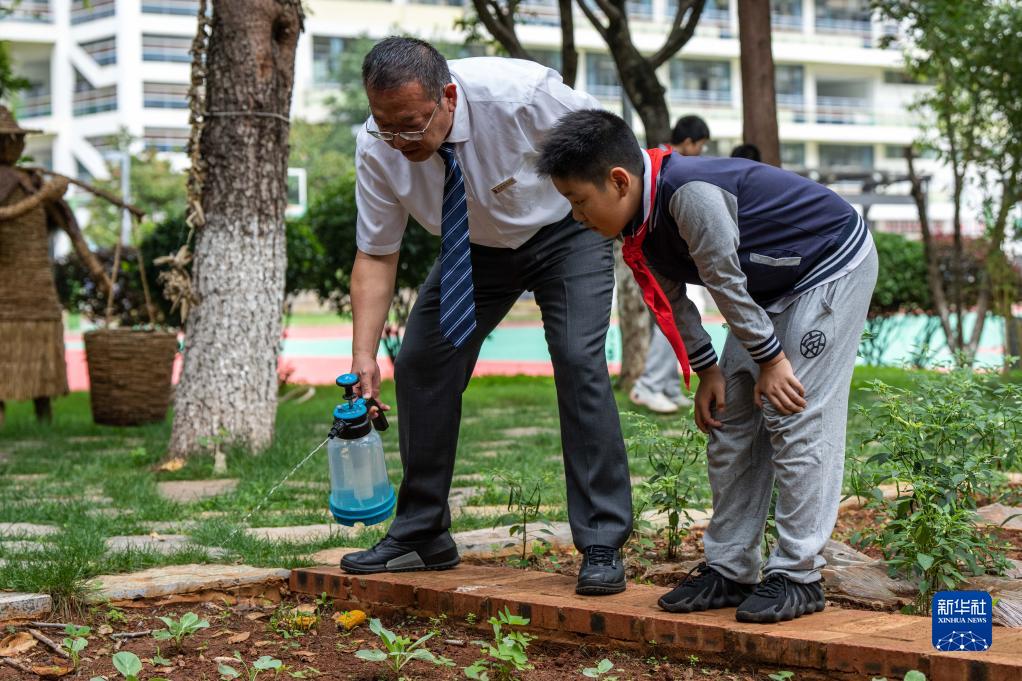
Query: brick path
[[841, 642]]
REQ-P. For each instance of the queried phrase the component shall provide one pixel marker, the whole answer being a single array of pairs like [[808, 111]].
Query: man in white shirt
[[454, 146]]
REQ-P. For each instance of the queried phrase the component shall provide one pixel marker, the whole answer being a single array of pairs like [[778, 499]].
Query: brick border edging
[[815, 642]]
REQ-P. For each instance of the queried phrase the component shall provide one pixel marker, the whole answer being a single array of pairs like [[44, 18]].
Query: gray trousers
[[571, 272], [804, 452], [661, 375]]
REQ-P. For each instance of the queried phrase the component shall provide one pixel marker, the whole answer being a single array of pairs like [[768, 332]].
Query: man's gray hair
[[397, 61]]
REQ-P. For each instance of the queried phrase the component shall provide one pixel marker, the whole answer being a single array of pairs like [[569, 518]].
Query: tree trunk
[[759, 104], [228, 389]]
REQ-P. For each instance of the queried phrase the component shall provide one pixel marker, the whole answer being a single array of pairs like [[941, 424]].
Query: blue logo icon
[[962, 620]]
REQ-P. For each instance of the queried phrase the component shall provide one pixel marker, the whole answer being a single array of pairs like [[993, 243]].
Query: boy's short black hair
[[750, 151], [690, 128], [586, 144]]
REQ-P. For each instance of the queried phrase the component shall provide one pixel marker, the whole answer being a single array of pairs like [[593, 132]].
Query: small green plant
[[324, 603], [781, 676], [293, 622], [127, 665], [75, 643], [524, 502], [180, 629], [506, 655], [693, 660], [158, 660], [263, 664], [676, 482], [910, 676], [471, 618], [603, 667], [399, 650], [941, 442], [437, 624], [115, 615], [307, 673]]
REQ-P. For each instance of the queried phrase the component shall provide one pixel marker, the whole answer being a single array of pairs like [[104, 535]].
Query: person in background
[[659, 387], [749, 151]]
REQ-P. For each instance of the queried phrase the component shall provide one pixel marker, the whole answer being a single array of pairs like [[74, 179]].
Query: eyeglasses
[[407, 136]]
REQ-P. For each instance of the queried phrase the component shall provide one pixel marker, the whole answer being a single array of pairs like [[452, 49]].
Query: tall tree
[[974, 118], [637, 73], [759, 102], [228, 388]]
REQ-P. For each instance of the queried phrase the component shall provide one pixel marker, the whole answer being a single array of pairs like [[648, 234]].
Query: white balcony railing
[[35, 103], [703, 96], [95, 100], [182, 7], [844, 111], [91, 10], [28, 10]]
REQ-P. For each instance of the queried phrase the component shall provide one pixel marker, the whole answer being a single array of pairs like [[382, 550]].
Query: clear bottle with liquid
[[360, 490]]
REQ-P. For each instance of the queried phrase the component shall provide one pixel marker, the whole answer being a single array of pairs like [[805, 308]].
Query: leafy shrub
[[942, 442]]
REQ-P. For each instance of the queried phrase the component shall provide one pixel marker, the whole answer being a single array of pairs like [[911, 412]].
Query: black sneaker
[[602, 572], [779, 599], [391, 555], [703, 588]]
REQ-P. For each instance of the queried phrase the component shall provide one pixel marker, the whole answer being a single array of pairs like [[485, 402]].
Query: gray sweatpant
[[804, 452]]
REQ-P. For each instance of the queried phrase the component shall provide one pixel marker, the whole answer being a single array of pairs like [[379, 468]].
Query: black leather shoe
[[391, 555], [602, 572]]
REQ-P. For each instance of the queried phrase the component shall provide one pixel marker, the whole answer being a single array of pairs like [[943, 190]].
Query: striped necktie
[[457, 299]]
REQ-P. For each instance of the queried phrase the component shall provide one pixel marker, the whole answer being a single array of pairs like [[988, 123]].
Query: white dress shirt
[[504, 109]]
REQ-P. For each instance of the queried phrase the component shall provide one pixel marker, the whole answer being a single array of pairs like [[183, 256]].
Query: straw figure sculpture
[[31, 330]]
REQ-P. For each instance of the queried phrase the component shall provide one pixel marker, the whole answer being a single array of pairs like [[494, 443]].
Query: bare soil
[[327, 652]]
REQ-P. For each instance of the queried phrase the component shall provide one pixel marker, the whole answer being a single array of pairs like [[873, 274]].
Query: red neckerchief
[[652, 294]]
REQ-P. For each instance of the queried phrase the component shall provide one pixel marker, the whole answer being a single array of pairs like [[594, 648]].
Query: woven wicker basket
[[130, 374]]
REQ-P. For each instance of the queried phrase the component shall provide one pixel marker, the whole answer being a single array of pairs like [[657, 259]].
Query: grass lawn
[[95, 482]]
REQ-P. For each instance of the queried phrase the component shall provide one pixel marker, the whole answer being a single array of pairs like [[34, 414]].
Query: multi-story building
[[106, 67]]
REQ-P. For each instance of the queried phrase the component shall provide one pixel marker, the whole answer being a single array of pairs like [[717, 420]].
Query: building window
[[103, 51], [843, 102], [166, 139], [641, 10], [552, 59], [786, 15], [182, 7], [104, 144], [165, 95], [601, 76], [28, 10], [843, 16], [846, 156], [789, 82], [450, 3], [91, 10], [34, 101], [793, 154], [715, 12], [172, 48], [700, 81], [89, 99], [539, 12]]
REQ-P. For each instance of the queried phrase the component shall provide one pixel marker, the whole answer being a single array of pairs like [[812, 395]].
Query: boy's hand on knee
[[709, 396], [778, 384]]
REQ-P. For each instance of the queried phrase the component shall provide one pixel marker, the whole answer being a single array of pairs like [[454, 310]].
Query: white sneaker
[[656, 402], [681, 400]]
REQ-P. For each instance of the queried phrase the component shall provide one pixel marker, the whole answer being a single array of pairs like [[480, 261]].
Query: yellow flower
[[349, 620]]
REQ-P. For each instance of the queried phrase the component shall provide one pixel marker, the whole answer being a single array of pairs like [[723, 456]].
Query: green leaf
[[477, 671], [604, 666], [162, 635], [266, 662], [372, 655], [127, 664], [228, 671], [925, 561], [915, 676], [78, 645]]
